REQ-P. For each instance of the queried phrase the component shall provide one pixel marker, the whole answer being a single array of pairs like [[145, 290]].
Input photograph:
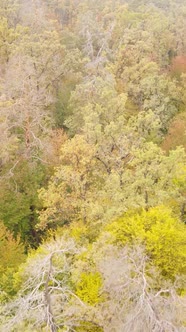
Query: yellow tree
[[11, 256]]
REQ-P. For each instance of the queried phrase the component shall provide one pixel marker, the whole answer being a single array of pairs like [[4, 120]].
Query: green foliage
[[7, 37], [19, 202]]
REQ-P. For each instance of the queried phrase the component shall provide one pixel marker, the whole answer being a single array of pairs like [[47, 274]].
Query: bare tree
[[139, 299], [45, 289]]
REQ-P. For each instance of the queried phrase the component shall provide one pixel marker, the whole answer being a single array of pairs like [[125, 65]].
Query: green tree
[[19, 202]]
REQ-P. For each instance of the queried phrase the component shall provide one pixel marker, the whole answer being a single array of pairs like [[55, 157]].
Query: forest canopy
[[92, 165]]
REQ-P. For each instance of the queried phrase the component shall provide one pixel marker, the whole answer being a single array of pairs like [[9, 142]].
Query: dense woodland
[[92, 165]]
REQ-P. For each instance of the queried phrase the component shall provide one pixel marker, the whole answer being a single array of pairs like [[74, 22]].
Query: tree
[[161, 233], [68, 191], [19, 201], [97, 183], [8, 37], [151, 174], [44, 289], [10, 9], [11, 256], [136, 302]]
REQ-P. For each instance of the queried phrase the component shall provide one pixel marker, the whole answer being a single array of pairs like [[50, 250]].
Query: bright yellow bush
[[162, 234], [88, 288]]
